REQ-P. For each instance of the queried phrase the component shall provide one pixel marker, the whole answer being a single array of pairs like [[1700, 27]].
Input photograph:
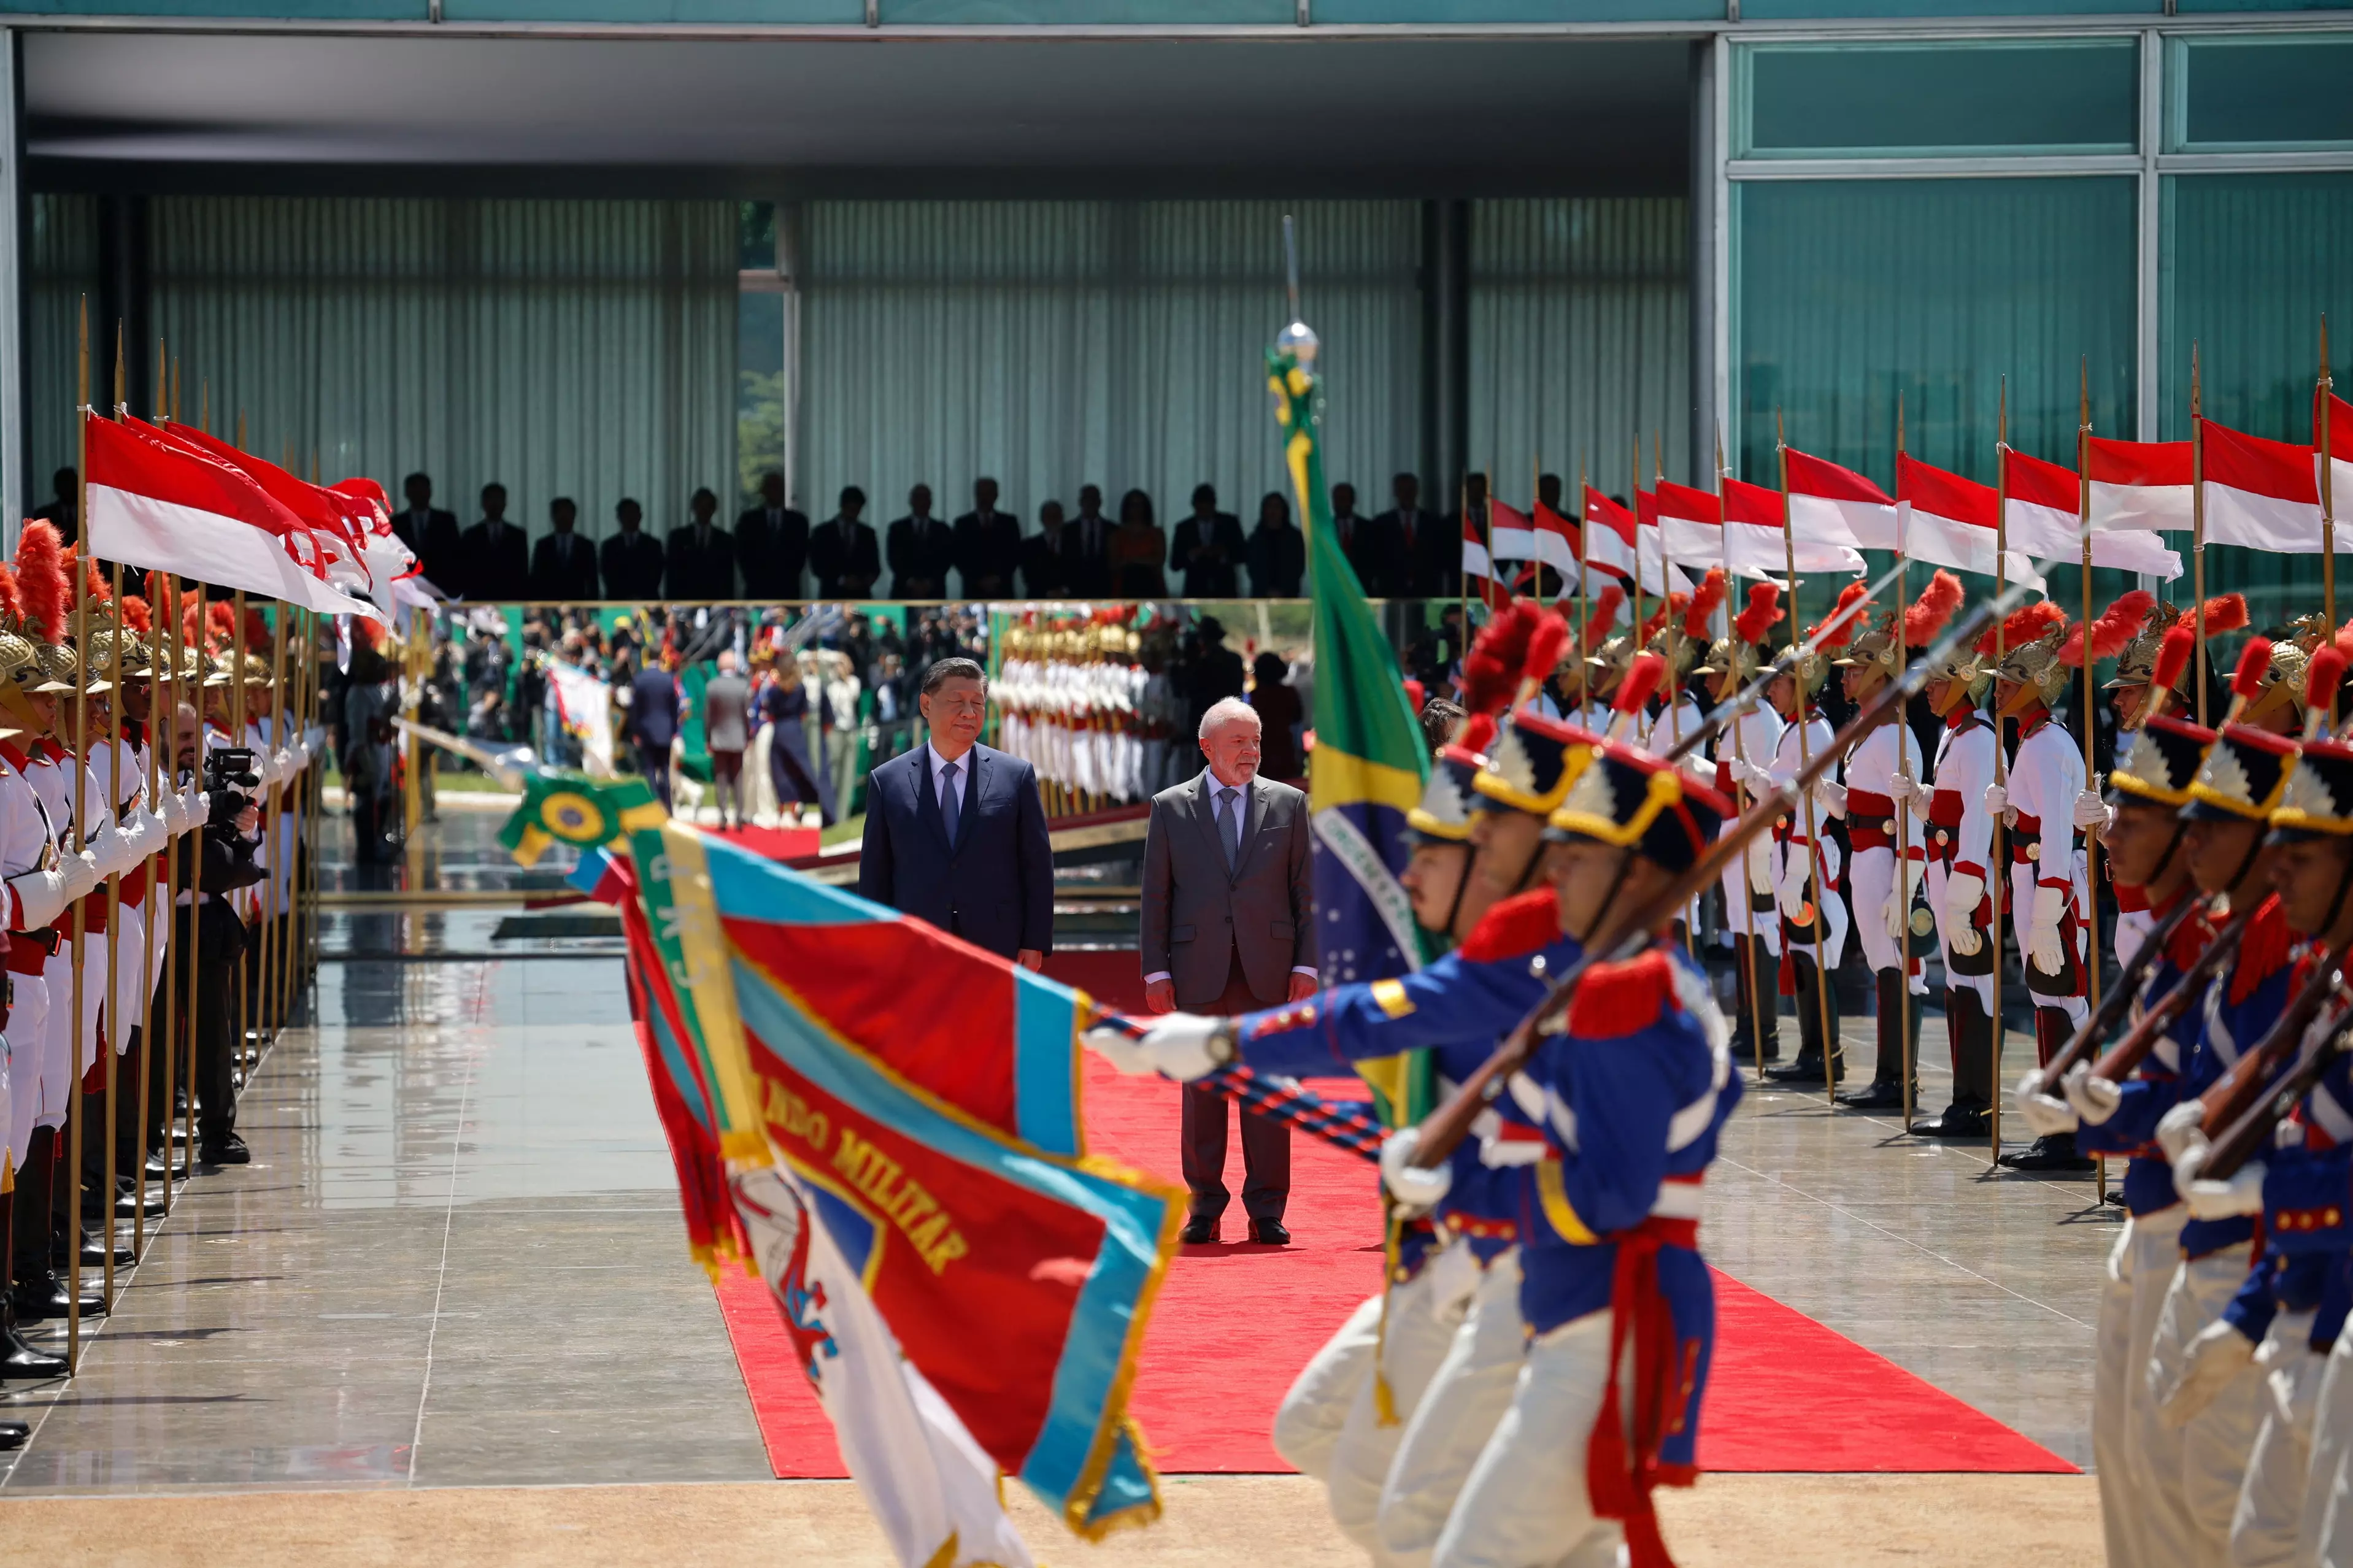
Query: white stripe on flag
[[2257, 522], [1692, 541], [1857, 524], [2046, 532], [2164, 507], [1474, 560], [206, 547], [1513, 544]]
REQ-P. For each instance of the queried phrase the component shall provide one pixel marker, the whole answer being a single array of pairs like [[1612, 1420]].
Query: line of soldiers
[[83, 828]]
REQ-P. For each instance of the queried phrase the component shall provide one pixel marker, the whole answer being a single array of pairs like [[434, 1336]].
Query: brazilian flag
[[1370, 763], [573, 808]]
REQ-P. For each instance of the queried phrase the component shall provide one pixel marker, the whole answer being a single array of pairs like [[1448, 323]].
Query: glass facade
[[2230, 95], [1825, 100]]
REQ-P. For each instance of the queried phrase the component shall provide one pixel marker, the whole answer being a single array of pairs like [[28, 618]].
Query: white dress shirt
[[963, 781]]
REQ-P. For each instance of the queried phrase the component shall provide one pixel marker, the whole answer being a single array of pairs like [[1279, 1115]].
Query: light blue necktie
[[948, 802], [1229, 824]]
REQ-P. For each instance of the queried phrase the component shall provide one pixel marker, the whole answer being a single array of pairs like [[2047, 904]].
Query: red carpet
[[1235, 1323]]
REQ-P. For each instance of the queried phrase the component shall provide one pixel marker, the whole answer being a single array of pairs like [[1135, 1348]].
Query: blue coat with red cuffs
[[2240, 1007], [1457, 1008], [2308, 1209], [2155, 1087]]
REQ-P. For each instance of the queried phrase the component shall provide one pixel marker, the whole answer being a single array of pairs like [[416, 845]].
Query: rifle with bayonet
[[2120, 999], [2244, 1105]]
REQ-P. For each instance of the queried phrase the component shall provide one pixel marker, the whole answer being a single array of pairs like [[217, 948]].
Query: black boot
[[1811, 1002], [28, 1241], [2056, 1152], [1764, 1002], [18, 1360], [1971, 1034], [1899, 1046]]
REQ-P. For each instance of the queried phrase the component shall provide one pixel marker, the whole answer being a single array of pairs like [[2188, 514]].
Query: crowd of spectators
[[774, 553]]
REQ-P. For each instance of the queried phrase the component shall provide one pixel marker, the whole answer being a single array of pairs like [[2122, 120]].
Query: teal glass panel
[[1847, 293], [1091, 13], [273, 10], [1371, 13], [1827, 100], [2249, 264], [848, 13], [1841, 10], [2232, 94]]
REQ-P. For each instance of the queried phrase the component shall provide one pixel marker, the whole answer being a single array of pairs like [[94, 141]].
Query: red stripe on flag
[[2280, 469], [1942, 493], [1819, 476], [2034, 482], [1693, 506], [1550, 521], [1600, 508], [2109, 462], [1745, 503], [123, 456]]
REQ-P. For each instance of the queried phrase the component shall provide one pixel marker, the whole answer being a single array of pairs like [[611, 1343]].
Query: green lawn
[[845, 831]]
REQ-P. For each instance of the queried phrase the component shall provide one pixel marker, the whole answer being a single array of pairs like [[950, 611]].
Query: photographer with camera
[[205, 921]]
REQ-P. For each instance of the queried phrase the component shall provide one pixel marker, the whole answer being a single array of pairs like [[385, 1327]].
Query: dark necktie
[[949, 807], [1229, 823]]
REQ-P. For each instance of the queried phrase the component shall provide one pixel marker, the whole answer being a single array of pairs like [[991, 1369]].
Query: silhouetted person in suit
[[1217, 671], [701, 554], [1370, 543], [431, 533], [1045, 559], [494, 558], [920, 549], [1429, 562], [987, 545], [632, 559], [65, 510], [1209, 549], [1086, 548], [1277, 551], [772, 544], [654, 709], [563, 564], [842, 557]]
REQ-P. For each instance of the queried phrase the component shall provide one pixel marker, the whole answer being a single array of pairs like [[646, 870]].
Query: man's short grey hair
[[941, 671], [1224, 709]]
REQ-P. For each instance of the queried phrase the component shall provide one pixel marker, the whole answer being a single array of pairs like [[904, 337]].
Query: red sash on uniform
[[1619, 1480]]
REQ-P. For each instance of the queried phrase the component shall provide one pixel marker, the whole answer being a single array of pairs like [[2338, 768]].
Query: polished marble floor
[[456, 1259]]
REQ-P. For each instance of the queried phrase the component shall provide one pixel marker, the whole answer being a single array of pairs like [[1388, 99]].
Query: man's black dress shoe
[[22, 1364], [49, 1300], [14, 1434], [1199, 1233], [1958, 1121], [229, 1148], [1874, 1097], [93, 1252], [2054, 1153], [1269, 1233], [157, 1171], [1805, 1069]]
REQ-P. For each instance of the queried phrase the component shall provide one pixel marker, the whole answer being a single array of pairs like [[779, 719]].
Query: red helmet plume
[[136, 616], [1492, 670], [1763, 614], [2253, 660], [41, 580], [1933, 610], [2223, 613], [2030, 625], [1604, 616], [1705, 601], [2118, 626], [1853, 597]]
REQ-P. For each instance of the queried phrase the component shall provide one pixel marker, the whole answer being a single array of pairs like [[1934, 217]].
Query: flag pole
[[1462, 578], [1831, 1048], [189, 1003], [1584, 591], [2327, 499], [233, 721], [1998, 871], [1903, 805], [111, 1037], [2091, 699], [1757, 1013], [75, 1110], [147, 1047], [2197, 526]]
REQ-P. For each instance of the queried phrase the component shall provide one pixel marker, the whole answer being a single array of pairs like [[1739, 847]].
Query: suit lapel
[[975, 774], [927, 797], [1253, 815]]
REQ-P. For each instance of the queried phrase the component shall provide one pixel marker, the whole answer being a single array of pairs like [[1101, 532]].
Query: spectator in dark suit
[[1215, 673], [431, 533], [653, 721], [771, 544], [955, 833], [1209, 549], [563, 564], [632, 559], [1086, 547], [1277, 551], [1045, 561], [987, 545], [1429, 562], [701, 554], [64, 512], [842, 557], [1369, 543], [494, 558], [920, 549]]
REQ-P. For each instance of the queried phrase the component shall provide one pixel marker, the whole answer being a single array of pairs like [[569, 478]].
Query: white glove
[[146, 834], [1178, 1044], [106, 851], [2182, 1133], [2046, 1117], [1407, 1182], [1995, 800], [1962, 893], [1749, 774], [2240, 1193], [2095, 1099], [1904, 787], [1832, 796], [1760, 865], [42, 895], [80, 873], [301, 755], [175, 815], [1894, 913], [2215, 1357], [2044, 949], [1791, 895], [200, 806], [1118, 1048], [2091, 811]]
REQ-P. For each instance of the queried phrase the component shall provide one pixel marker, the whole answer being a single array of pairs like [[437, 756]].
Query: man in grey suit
[[1229, 928], [726, 732]]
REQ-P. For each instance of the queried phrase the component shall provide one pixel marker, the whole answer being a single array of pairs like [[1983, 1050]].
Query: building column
[[121, 308], [15, 448], [1445, 350], [1705, 238]]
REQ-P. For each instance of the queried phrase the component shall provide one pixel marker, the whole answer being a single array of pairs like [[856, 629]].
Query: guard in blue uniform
[[1634, 1084], [2144, 840], [2293, 1303]]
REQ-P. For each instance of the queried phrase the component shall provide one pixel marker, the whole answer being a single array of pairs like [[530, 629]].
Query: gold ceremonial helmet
[[1730, 656], [1875, 647], [2278, 703], [2136, 666], [2035, 669], [1961, 676], [60, 667]]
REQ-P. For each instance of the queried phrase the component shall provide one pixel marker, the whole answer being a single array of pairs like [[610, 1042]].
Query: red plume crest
[[1763, 614], [1852, 596], [2323, 677], [1604, 616], [2253, 660], [11, 602], [136, 616], [2030, 625], [2116, 628], [1478, 733], [1545, 644], [1491, 671], [2225, 613], [2173, 655], [1641, 680], [41, 580], [1933, 610], [1704, 600]]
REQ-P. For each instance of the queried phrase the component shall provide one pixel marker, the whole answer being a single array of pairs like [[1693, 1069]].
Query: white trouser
[[2271, 1499], [2111, 1404], [1871, 880], [1423, 1315], [1307, 1423], [28, 1026], [137, 971], [1524, 1504], [1796, 864], [1739, 892], [57, 1036], [2325, 1537], [1938, 877], [1467, 1396], [2153, 1451], [2216, 1441], [2021, 921]]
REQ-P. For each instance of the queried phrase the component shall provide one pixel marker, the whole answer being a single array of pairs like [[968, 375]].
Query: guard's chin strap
[[1617, 886], [2248, 860], [1461, 886], [1528, 871], [2337, 904]]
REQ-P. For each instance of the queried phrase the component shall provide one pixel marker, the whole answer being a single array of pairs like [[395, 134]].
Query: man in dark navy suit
[[431, 533], [632, 559], [494, 565], [654, 714], [701, 555], [955, 834], [563, 564], [771, 544]]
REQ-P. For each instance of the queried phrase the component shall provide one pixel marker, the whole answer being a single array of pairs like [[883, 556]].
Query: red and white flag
[[1614, 545], [2045, 511], [1479, 569], [323, 511], [2139, 484], [2260, 494], [364, 503], [1832, 505], [165, 507], [1691, 526], [1510, 535], [1755, 544], [1947, 519], [1556, 544], [1651, 546], [2340, 451]]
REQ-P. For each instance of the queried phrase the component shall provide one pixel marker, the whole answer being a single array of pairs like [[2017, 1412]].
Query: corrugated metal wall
[[61, 267], [561, 348], [1053, 344], [1581, 338]]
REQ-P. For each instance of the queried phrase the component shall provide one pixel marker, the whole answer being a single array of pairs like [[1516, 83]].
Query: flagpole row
[[1998, 863], [1757, 1012], [75, 840], [2328, 497], [2198, 530], [1903, 803], [1814, 867]]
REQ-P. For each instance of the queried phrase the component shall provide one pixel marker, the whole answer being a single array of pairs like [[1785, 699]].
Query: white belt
[[1677, 1199]]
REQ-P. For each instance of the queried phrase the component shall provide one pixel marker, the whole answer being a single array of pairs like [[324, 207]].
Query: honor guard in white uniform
[[1961, 850], [1750, 917]]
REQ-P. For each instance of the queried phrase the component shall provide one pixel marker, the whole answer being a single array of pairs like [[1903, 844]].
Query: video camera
[[228, 776]]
